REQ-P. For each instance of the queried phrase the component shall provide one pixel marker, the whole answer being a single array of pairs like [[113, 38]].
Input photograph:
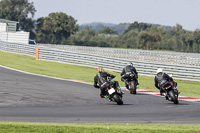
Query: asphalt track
[[30, 98]]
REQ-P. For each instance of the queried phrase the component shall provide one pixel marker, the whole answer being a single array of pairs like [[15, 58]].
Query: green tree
[[196, 47], [18, 10], [108, 30], [138, 26], [88, 37], [130, 39], [82, 38], [147, 40], [56, 28]]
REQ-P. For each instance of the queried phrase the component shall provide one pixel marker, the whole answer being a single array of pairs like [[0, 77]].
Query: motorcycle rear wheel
[[173, 97], [132, 86], [117, 99]]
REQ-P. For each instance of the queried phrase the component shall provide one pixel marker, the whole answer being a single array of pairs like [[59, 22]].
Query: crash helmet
[[130, 64], [159, 70], [100, 69]]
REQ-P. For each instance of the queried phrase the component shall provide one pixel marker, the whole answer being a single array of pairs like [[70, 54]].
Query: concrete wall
[[8, 32], [16, 37], [2, 27]]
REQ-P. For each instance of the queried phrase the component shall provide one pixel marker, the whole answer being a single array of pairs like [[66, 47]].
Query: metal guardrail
[[165, 57], [24, 49], [181, 72]]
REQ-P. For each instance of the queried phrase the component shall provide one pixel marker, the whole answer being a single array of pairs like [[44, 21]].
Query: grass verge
[[65, 71], [10, 127], [86, 74]]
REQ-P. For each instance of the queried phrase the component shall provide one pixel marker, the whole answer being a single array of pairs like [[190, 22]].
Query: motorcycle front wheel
[[173, 97]]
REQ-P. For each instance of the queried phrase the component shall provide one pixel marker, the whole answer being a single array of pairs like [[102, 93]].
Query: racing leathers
[[124, 74], [160, 79], [101, 80]]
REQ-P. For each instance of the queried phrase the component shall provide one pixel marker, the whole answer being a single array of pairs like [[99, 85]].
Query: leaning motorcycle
[[132, 80], [114, 92], [171, 92]]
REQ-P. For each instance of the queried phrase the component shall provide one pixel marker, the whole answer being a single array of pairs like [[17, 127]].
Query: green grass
[[11, 127], [86, 74]]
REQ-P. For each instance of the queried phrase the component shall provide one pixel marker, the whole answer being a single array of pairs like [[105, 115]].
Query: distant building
[[11, 25], [8, 32]]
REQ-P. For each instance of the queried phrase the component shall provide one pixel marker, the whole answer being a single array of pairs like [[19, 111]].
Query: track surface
[[30, 98]]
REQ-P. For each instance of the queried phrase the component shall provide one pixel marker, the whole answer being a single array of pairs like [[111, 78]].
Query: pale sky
[[163, 12]]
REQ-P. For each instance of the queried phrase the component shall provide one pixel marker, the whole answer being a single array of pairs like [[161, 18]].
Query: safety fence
[[24, 49], [165, 57], [182, 72]]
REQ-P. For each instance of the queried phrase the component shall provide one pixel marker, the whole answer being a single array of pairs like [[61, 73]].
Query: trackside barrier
[[164, 57], [181, 72], [18, 48]]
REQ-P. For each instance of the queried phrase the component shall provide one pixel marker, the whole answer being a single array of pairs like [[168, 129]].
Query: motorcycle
[[171, 92], [132, 82], [114, 92]]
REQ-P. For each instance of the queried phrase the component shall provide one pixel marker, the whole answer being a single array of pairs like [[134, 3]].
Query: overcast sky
[[164, 12]]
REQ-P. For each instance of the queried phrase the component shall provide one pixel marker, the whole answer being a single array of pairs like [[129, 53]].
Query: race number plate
[[111, 91]]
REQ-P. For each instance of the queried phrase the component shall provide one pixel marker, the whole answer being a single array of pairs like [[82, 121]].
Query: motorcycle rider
[[100, 81], [160, 79], [128, 68]]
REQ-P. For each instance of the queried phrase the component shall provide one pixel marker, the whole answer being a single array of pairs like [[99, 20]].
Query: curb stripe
[[184, 98]]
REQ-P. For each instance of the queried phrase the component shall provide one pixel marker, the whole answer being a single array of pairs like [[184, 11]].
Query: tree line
[[60, 28]]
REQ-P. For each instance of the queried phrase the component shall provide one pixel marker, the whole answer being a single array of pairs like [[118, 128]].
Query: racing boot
[[103, 95], [126, 84], [162, 93], [137, 82]]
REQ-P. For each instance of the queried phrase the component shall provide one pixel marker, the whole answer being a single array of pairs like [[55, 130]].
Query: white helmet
[[130, 64], [159, 70]]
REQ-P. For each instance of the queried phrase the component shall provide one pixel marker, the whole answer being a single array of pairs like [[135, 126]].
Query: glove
[[113, 76], [96, 86]]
